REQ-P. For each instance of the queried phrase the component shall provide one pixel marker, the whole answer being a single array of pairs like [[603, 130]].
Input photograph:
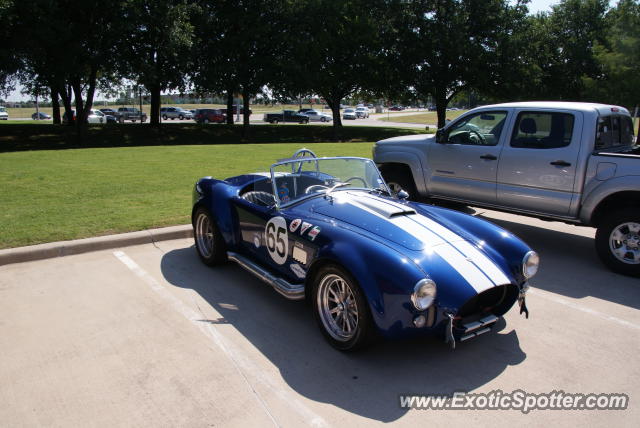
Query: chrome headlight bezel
[[424, 294], [530, 264]]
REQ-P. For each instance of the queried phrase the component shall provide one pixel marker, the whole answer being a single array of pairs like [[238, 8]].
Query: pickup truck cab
[[286, 116], [566, 161]]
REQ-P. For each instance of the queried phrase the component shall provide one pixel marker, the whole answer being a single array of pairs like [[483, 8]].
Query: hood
[[407, 139], [431, 240]]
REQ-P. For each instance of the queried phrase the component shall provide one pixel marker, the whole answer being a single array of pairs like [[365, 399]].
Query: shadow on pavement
[[366, 383], [570, 266]]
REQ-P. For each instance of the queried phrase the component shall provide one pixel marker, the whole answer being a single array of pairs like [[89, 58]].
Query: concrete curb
[[79, 246]]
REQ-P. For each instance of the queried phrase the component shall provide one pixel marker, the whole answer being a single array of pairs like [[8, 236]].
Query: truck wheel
[[121, 120], [181, 117], [164, 117], [618, 241], [274, 121], [341, 309], [397, 179], [206, 120], [208, 239]]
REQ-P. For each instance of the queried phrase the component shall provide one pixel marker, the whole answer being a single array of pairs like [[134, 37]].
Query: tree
[[9, 59], [66, 45], [340, 56], [455, 45], [155, 45], [618, 58]]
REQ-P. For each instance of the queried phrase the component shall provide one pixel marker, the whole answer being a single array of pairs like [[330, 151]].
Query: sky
[[534, 7]]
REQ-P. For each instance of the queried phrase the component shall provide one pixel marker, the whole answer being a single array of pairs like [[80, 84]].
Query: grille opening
[[497, 301]]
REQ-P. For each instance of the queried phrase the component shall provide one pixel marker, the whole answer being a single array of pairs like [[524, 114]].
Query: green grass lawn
[[52, 195], [428, 118]]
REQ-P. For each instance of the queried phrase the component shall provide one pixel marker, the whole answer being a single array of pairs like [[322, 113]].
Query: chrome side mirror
[[402, 194]]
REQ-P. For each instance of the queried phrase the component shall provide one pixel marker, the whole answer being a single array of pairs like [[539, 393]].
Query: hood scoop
[[381, 208]]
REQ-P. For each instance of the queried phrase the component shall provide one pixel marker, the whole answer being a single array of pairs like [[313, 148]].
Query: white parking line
[[239, 359], [549, 296]]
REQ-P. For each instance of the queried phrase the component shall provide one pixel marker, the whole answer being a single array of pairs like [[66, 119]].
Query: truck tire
[[618, 241], [397, 179], [274, 121], [164, 117], [121, 120]]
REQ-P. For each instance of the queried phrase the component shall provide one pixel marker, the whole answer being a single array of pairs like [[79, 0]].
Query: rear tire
[[618, 241], [341, 309], [274, 121], [209, 242], [164, 117], [397, 179]]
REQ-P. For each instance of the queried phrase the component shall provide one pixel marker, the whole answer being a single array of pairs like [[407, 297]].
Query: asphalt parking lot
[[149, 336]]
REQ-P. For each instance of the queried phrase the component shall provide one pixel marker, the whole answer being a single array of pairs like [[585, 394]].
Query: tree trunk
[[334, 104], [81, 117], [65, 94], [441, 109], [55, 104], [229, 106], [245, 113], [154, 114]]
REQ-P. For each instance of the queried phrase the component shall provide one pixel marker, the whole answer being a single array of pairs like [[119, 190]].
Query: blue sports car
[[371, 263]]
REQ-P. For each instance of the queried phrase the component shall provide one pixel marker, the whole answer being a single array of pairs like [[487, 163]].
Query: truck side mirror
[[441, 136]]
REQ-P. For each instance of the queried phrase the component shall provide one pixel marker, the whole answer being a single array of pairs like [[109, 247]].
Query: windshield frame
[[293, 161]]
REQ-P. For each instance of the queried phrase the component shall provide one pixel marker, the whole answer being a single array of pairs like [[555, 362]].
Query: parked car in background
[[40, 116], [362, 112], [396, 108], [95, 116], [132, 114], [350, 114], [286, 116], [566, 161], [316, 116], [3, 114], [207, 115], [175, 113]]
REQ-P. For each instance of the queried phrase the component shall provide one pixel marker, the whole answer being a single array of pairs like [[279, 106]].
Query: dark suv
[[206, 115]]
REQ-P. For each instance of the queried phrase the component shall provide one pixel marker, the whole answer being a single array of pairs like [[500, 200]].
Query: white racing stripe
[[475, 267], [238, 358]]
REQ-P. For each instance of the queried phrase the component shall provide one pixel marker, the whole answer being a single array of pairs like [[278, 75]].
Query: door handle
[[560, 163], [488, 157]]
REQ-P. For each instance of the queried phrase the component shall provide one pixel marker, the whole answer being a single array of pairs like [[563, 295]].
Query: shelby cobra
[[329, 230]]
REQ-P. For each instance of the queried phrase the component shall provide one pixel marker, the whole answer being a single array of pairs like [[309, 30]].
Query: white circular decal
[[275, 234]]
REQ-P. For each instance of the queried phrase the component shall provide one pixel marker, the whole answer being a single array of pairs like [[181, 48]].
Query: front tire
[[341, 309], [209, 242], [164, 117], [618, 241], [397, 179]]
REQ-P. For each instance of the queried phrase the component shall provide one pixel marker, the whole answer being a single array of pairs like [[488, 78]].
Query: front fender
[[215, 195], [412, 159], [385, 276]]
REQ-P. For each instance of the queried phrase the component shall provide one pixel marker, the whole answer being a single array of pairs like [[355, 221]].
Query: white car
[[3, 114], [362, 112], [96, 116], [349, 113], [316, 116]]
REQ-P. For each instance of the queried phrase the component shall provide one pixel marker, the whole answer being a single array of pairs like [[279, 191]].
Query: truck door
[[464, 163], [537, 169]]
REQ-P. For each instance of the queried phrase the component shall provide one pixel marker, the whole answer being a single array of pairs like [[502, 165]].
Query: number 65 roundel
[[275, 234]]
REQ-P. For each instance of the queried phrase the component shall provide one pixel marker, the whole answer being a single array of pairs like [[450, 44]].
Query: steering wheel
[[364, 183], [481, 138], [313, 186]]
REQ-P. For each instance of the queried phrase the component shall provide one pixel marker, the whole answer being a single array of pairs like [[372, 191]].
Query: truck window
[[481, 129], [614, 130], [542, 130]]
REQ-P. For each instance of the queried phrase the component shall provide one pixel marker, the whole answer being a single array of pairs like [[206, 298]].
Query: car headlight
[[424, 293], [530, 264]]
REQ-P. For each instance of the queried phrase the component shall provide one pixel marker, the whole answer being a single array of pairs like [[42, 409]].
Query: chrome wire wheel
[[624, 242], [204, 235], [337, 307]]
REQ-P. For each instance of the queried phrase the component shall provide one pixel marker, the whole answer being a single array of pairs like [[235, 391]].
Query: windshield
[[295, 180]]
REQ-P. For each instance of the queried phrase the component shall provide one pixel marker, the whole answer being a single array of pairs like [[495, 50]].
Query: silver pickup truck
[[566, 161]]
